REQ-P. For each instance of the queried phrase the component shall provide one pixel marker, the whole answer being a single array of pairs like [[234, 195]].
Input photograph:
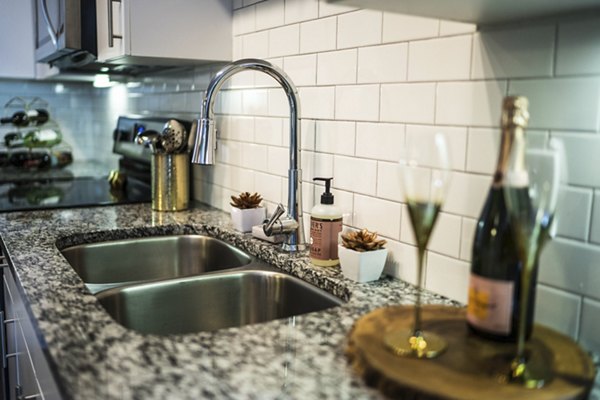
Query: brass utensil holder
[[170, 182]]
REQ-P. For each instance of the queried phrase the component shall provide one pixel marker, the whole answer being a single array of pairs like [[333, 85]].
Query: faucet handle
[[268, 227]]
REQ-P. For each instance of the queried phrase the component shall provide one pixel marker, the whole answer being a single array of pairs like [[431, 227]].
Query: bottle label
[[324, 238], [490, 304]]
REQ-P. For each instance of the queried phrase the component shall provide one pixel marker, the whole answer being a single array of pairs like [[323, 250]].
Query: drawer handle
[[111, 35], [3, 340]]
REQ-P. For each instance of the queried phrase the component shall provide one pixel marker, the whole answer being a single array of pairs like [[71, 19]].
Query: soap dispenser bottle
[[325, 225]]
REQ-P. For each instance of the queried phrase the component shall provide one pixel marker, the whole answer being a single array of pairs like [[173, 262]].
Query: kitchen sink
[[212, 302], [108, 264]]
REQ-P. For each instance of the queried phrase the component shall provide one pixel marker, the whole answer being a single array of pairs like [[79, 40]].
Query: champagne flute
[[424, 175], [531, 197]]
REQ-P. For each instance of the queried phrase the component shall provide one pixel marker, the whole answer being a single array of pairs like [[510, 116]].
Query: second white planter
[[244, 219], [362, 266]]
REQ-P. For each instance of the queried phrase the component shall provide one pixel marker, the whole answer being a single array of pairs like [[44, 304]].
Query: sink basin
[[211, 302], [109, 264]]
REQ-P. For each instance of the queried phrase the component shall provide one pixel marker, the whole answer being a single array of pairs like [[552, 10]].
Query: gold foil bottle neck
[[515, 111]]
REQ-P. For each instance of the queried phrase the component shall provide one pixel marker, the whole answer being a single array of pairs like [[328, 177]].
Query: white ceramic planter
[[244, 219], [362, 267]]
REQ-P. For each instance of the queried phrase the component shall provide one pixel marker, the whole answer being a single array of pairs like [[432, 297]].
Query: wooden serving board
[[468, 368]]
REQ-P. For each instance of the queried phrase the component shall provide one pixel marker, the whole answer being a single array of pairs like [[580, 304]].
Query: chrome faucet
[[205, 144]]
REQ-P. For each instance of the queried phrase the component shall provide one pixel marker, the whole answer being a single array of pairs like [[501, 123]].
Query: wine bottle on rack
[[494, 287], [26, 118]]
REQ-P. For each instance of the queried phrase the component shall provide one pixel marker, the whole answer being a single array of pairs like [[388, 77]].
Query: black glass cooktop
[[69, 192]]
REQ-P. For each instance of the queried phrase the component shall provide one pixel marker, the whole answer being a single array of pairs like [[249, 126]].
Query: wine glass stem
[[417, 327], [523, 306]]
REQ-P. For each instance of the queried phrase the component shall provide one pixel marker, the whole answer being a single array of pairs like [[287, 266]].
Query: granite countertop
[[94, 357]]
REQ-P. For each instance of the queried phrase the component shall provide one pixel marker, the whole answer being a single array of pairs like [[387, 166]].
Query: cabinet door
[[110, 25], [11, 349], [29, 387], [16, 39]]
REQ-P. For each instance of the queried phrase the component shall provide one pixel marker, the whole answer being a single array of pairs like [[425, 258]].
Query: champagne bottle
[[17, 119], [494, 287], [42, 138]]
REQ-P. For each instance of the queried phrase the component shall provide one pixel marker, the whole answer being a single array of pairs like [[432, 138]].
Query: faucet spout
[[205, 141]]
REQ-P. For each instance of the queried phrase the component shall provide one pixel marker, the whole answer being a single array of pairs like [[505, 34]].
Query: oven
[[58, 188]]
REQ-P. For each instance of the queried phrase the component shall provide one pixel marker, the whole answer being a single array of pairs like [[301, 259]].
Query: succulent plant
[[246, 200], [362, 241]]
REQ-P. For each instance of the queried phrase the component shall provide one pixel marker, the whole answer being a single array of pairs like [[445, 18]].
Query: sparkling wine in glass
[[425, 172], [531, 196]]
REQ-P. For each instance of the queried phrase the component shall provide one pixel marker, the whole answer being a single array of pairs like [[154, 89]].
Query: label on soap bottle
[[324, 238]]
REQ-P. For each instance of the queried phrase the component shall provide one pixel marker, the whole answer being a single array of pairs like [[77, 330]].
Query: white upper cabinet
[[163, 32], [478, 11], [16, 39]]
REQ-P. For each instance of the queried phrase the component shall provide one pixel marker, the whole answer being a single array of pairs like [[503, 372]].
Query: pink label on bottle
[[490, 304]]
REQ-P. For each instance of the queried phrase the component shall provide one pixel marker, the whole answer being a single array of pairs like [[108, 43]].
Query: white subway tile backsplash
[[255, 45], [244, 20], [269, 186], [388, 181], [402, 261], [590, 325], [379, 140], [425, 56], [466, 194], [482, 150], [360, 102], [254, 156], [385, 63], [229, 152], [377, 215], [335, 137], [269, 14], [514, 53], [262, 79], [582, 158], [572, 218], [268, 131], [326, 8], [301, 10], [337, 67], [447, 276], [278, 103], [359, 28], [408, 103], [469, 103], [284, 41], [467, 237], [578, 47], [318, 35], [577, 107], [255, 101], [317, 102], [456, 142], [355, 174], [400, 27], [240, 128], [278, 161], [445, 238], [571, 266], [316, 165], [557, 309], [595, 221], [302, 70]]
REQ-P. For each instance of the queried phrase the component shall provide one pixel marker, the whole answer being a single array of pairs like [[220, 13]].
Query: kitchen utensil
[[173, 137], [149, 139]]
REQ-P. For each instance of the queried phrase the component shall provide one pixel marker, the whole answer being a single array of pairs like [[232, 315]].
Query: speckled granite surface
[[96, 358]]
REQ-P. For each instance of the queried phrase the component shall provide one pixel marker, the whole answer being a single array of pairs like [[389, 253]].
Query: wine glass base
[[405, 343], [531, 371]]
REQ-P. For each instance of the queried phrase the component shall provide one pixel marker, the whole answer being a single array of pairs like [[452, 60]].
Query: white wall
[[367, 81]]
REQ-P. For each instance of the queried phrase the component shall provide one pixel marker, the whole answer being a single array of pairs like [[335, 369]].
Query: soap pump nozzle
[[326, 197]]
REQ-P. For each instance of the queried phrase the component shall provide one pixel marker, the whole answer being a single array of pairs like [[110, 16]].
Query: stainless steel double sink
[[189, 283]]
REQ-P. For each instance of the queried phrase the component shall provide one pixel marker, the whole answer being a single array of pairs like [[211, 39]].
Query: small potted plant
[[246, 211], [362, 255]]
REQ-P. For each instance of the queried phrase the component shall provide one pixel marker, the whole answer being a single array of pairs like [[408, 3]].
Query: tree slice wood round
[[468, 369]]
